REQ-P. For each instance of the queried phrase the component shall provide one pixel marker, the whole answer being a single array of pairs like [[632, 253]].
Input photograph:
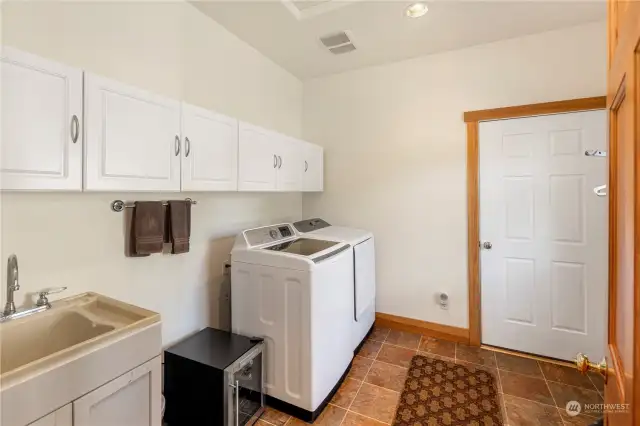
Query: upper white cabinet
[[210, 150], [312, 167], [289, 176], [41, 124], [63, 129], [258, 161], [133, 138], [268, 161]]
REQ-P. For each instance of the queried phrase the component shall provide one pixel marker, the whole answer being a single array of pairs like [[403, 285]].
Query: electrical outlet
[[443, 300]]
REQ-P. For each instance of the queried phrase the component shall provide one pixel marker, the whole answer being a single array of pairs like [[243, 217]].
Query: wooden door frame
[[472, 120]]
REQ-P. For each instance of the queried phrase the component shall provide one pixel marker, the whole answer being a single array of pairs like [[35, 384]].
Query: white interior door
[[210, 154], [41, 123], [544, 281], [132, 138]]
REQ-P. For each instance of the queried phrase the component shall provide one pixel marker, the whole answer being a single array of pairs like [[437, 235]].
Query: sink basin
[[71, 325], [45, 336]]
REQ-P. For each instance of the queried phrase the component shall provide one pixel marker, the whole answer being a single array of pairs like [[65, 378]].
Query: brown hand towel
[[148, 228], [130, 238], [179, 213]]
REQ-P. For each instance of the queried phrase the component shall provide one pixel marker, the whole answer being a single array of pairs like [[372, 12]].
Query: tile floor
[[532, 393]]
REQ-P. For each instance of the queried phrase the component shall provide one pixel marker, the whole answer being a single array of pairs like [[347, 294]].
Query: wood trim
[[472, 118], [473, 234], [582, 104], [440, 331]]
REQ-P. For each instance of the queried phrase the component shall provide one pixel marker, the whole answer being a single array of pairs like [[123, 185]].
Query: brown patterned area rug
[[441, 393]]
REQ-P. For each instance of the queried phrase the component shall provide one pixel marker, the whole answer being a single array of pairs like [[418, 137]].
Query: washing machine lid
[[302, 246], [310, 225], [319, 228]]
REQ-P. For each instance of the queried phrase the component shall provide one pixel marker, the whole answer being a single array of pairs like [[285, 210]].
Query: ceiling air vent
[[338, 43]]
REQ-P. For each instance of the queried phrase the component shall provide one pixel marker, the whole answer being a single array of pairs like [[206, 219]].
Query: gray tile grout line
[[594, 385], [550, 393]]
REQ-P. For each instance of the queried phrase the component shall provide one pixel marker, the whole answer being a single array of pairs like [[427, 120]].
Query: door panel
[[548, 229], [133, 138], [257, 159], [289, 173], [623, 101], [133, 399], [365, 277], [313, 165], [40, 99], [61, 417], [210, 154]]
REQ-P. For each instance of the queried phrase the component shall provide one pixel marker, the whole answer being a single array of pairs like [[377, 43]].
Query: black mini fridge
[[214, 378]]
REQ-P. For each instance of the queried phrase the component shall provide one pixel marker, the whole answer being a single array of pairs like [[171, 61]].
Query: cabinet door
[[313, 164], [41, 124], [289, 152], [133, 399], [60, 417], [132, 138], [210, 154], [257, 159]]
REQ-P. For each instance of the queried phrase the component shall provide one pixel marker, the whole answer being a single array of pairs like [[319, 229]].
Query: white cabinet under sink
[[41, 124], [210, 150], [132, 399], [61, 417], [132, 138]]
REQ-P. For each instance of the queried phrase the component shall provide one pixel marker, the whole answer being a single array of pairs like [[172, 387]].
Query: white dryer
[[295, 293], [363, 282]]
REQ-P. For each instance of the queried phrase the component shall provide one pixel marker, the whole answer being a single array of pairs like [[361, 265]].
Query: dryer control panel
[[268, 234]]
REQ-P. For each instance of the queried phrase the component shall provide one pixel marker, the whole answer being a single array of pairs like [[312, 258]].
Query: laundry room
[[288, 212]]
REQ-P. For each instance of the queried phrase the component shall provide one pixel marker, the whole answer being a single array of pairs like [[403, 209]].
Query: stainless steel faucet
[[12, 285], [10, 311]]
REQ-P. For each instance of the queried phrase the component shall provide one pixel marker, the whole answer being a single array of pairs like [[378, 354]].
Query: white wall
[[395, 151], [75, 240]]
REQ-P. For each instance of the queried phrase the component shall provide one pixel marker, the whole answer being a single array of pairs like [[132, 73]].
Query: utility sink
[[71, 326]]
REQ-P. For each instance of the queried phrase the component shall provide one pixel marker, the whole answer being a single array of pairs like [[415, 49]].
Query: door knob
[[584, 365], [486, 245]]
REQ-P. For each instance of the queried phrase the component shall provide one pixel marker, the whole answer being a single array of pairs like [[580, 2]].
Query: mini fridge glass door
[[245, 384]]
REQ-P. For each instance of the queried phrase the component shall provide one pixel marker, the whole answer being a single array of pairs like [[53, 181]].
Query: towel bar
[[119, 205]]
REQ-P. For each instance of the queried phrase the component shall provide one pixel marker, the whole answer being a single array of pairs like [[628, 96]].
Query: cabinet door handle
[[280, 166], [187, 147], [275, 161], [306, 166], [75, 128], [177, 145]]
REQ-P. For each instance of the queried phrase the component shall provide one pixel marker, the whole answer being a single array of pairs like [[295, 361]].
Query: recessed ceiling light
[[416, 10]]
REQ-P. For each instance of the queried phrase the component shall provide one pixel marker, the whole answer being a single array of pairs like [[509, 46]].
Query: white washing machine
[[363, 282], [295, 293]]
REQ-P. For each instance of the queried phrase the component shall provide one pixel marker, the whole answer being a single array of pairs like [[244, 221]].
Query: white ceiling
[[288, 31]]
